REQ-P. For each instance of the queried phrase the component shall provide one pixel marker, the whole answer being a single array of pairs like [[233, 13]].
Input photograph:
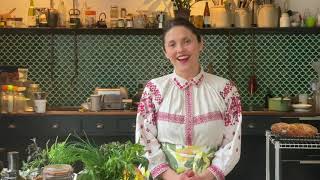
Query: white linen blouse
[[204, 111]]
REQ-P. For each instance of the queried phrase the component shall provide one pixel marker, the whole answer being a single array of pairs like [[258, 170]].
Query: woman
[[189, 121]]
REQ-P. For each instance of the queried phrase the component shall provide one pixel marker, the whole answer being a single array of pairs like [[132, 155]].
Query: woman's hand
[[172, 175]]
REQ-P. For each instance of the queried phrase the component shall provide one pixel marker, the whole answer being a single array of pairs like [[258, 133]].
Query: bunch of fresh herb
[[111, 161], [57, 153]]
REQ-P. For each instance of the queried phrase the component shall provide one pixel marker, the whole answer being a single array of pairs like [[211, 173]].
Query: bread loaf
[[294, 129]]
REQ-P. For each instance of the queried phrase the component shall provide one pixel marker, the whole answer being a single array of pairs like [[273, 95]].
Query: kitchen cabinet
[[17, 130]]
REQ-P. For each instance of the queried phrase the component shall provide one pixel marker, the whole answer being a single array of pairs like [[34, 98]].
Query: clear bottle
[[62, 14], [11, 98], [4, 99], [31, 15], [206, 16]]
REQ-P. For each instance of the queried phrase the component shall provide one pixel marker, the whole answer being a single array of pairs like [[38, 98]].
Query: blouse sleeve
[[228, 153], [146, 129]]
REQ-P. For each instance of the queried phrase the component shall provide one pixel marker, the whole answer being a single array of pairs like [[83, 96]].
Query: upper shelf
[[118, 31]]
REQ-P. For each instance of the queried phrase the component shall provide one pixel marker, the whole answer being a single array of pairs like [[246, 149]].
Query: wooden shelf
[[132, 31]]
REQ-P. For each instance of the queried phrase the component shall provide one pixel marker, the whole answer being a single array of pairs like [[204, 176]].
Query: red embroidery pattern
[[159, 169], [216, 172], [211, 116], [189, 115], [179, 84], [187, 84], [197, 82], [146, 106], [162, 116], [233, 112], [227, 89], [155, 91], [180, 119]]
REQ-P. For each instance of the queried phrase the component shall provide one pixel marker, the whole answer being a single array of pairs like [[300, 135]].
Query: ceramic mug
[[94, 102], [242, 18]]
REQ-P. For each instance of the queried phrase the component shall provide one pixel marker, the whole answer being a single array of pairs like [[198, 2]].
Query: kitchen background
[[133, 6], [69, 66]]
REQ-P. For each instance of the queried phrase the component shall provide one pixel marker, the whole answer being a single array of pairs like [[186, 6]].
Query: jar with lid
[[114, 12], [30, 97], [19, 102], [58, 172], [90, 19]]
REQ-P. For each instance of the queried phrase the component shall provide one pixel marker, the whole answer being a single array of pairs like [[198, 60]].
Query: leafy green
[[106, 162]]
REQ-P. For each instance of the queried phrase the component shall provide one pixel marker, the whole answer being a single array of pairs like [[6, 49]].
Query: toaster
[[111, 98]]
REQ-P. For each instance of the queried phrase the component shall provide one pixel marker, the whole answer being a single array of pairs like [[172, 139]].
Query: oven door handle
[[310, 162], [313, 118]]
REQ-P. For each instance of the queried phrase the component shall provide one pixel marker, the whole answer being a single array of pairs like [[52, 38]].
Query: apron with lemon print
[[182, 158]]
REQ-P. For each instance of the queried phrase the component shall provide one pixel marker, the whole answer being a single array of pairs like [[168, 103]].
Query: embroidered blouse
[[204, 111]]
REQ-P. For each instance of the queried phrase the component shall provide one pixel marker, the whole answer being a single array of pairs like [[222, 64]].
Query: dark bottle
[[266, 98], [206, 16]]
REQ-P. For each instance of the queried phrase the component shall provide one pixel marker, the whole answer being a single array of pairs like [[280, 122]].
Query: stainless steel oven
[[292, 158]]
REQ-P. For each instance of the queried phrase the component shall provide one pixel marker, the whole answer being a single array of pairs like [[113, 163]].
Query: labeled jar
[[121, 23], [58, 172], [14, 22], [90, 19]]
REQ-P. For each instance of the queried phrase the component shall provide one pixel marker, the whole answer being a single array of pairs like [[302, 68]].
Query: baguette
[[294, 129]]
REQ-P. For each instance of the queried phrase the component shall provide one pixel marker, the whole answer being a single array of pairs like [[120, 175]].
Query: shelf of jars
[[156, 31]]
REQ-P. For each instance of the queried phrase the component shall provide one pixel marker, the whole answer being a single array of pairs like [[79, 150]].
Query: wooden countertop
[[73, 112]]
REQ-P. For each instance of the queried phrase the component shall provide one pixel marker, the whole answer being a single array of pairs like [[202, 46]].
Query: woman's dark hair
[[180, 22]]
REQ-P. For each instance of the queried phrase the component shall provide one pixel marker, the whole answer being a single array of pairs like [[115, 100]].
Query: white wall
[[131, 5]]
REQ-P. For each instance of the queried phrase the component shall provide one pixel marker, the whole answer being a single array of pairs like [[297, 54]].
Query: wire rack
[[286, 142]]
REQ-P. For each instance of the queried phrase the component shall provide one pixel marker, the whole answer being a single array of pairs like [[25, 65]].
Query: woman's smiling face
[[183, 49]]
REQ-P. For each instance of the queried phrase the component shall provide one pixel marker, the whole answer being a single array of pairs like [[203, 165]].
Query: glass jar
[[114, 12], [90, 19], [30, 97], [20, 103], [58, 172]]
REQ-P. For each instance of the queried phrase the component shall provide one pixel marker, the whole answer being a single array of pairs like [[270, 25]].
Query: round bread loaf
[[294, 129]]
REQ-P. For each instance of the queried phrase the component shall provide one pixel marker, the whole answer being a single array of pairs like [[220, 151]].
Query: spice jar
[[58, 172], [114, 12], [14, 22], [90, 19]]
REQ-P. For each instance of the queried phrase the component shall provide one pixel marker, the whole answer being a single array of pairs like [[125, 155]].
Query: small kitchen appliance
[[111, 98]]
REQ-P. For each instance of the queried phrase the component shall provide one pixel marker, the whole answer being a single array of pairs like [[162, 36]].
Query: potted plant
[[182, 8]]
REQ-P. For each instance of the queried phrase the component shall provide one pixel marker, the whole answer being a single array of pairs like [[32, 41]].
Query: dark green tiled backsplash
[[69, 67]]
